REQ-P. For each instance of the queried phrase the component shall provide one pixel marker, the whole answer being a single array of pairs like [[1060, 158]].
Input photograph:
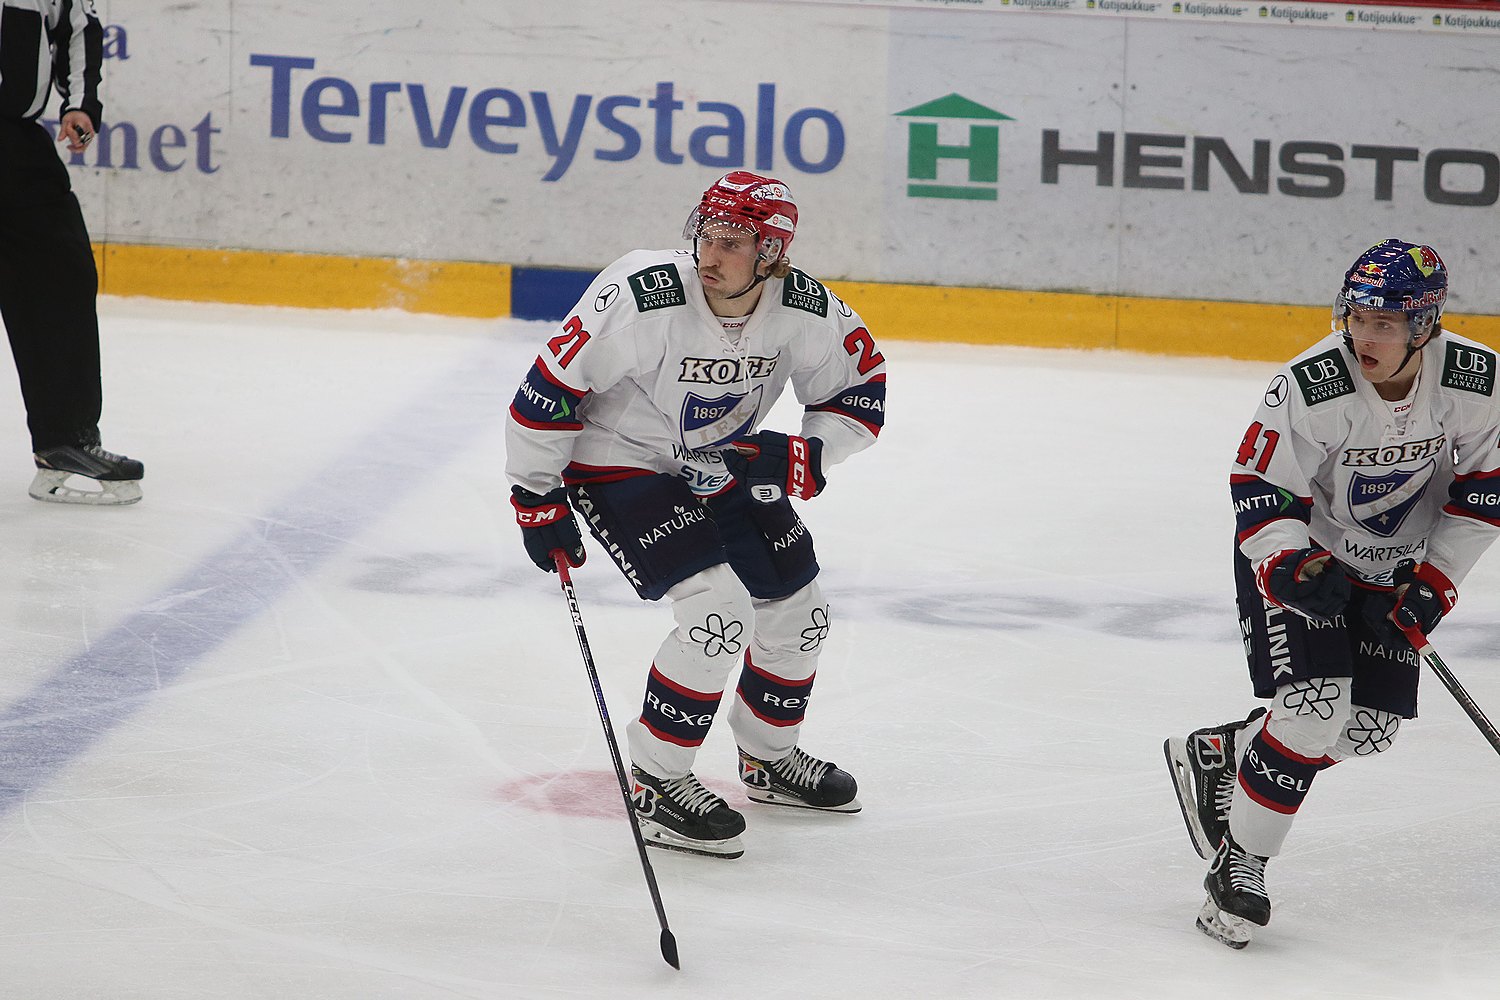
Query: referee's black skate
[[1237, 896], [116, 480], [1204, 767], [679, 814], [799, 780]]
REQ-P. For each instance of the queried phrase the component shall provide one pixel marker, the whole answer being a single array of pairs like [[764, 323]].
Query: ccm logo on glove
[[547, 525], [774, 465], [1424, 594]]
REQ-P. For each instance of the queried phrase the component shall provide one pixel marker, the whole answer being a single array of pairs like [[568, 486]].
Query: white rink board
[[564, 134]]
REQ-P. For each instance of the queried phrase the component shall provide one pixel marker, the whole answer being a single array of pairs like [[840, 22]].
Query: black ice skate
[[1204, 767], [679, 814], [116, 479], [1237, 897], [799, 780]]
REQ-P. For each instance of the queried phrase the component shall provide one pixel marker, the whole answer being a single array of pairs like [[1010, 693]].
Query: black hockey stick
[[1476, 715], [668, 942]]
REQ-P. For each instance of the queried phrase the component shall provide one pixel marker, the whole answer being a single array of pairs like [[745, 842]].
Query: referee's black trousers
[[48, 285]]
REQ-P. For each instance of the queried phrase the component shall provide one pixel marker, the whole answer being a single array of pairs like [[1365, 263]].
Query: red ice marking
[[594, 794]]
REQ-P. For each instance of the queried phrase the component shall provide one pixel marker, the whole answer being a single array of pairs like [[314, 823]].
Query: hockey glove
[[774, 465], [547, 524], [1307, 581], [1424, 594]]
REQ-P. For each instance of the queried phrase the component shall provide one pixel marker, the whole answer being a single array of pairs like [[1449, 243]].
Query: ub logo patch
[[708, 423], [1323, 377], [1381, 503], [1469, 368], [802, 292], [657, 287]]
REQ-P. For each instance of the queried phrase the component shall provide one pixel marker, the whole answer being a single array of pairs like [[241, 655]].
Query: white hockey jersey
[[643, 376], [1327, 460]]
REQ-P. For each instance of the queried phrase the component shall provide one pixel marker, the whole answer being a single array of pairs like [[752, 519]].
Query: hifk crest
[[1381, 503], [708, 423]]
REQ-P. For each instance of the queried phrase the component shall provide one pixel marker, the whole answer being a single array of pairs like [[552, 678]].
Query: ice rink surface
[[306, 723]]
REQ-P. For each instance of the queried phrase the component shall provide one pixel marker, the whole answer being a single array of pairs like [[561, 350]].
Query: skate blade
[[769, 798], [1187, 800], [1225, 928], [659, 836], [52, 486]]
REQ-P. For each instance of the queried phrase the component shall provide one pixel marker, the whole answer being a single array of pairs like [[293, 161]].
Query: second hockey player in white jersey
[[1365, 489], [643, 411]]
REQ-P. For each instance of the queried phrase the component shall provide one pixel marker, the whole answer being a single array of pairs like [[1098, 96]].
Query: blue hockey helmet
[[1396, 276]]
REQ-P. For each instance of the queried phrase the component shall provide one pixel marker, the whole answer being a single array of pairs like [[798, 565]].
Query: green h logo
[[923, 150]]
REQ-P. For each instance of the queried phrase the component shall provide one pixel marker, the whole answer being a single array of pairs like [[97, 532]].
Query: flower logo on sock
[[1313, 697], [813, 637], [1371, 731], [717, 636]]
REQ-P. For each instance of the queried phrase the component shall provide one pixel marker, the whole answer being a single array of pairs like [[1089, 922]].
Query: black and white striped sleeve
[[45, 43], [78, 41]]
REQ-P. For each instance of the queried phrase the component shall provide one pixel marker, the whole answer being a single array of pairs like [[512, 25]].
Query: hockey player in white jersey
[[1364, 491], [644, 411]]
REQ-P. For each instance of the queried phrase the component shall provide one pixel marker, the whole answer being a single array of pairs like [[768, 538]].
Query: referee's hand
[[76, 130]]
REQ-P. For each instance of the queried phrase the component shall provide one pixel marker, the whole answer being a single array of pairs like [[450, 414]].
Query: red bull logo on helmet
[[1427, 260]]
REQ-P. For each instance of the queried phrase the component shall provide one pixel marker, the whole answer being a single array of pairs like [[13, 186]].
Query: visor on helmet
[[1377, 325]]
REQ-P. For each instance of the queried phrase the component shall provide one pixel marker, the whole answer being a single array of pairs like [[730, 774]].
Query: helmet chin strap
[[1411, 352], [753, 282]]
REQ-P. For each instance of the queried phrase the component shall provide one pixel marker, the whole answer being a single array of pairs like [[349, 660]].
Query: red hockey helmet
[[753, 202]]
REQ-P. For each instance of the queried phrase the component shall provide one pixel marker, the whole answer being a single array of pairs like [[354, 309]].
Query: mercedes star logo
[[1276, 393]]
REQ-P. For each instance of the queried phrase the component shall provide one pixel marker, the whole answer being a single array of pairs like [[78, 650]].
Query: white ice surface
[[305, 723]]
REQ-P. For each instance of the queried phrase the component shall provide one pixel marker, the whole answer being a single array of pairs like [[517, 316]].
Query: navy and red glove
[[1307, 581], [1424, 594], [546, 525], [775, 465]]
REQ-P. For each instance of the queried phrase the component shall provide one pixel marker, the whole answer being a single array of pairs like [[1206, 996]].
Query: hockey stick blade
[[668, 942], [1471, 708]]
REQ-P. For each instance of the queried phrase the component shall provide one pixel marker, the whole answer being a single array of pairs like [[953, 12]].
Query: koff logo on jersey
[[726, 371]]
